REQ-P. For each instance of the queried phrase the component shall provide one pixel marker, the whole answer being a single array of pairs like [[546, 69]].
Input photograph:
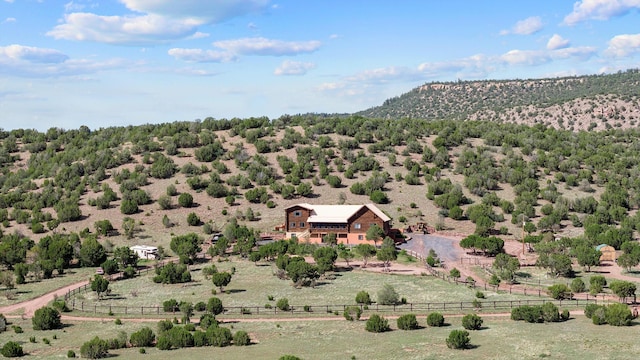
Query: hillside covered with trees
[[574, 103], [87, 189]]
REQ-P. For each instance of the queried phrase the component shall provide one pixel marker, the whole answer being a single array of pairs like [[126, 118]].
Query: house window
[[357, 226], [301, 224], [293, 224], [297, 213], [360, 237]]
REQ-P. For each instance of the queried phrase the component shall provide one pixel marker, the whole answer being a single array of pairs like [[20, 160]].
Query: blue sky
[[128, 62]]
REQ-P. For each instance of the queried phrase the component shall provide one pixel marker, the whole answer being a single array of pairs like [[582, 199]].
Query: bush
[[185, 200], [71, 354], [387, 295], [60, 305], [163, 343], [200, 306], [46, 318], [435, 319], [170, 305], [377, 324], [289, 357], [578, 286], [219, 336], [590, 309], [283, 304], [142, 337], [208, 320], [407, 322], [530, 314], [472, 322], [3, 323], [200, 339], [164, 326], [458, 339], [95, 348], [564, 316], [550, 313], [193, 219], [363, 298], [479, 294], [214, 306], [241, 338], [560, 291], [352, 313], [618, 314], [11, 349]]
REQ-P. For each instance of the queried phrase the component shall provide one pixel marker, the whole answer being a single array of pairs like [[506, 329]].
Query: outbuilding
[[608, 252], [145, 251]]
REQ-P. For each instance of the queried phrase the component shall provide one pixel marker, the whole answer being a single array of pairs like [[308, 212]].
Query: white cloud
[[599, 10], [623, 45], [9, 20], [205, 11], [289, 67], [538, 57], [158, 21], [264, 46], [27, 61], [527, 26], [19, 53], [557, 42], [199, 55], [126, 30]]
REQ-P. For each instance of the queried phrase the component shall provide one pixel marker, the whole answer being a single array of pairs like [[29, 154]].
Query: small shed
[[608, 252], [145, 251]]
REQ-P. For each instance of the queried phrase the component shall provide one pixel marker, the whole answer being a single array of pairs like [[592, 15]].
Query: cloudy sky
[[128, 62]]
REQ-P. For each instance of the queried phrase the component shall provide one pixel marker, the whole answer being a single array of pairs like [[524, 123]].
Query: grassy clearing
[[251, 285], [501, 338], [34, 289]]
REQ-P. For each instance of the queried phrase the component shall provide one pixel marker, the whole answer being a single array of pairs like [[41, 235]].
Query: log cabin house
[[349, 222]]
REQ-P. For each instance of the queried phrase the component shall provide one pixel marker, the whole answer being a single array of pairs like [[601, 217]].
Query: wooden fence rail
[[97, 308]]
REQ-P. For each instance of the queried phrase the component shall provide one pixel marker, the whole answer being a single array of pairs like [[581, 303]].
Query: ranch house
[[349, 222]]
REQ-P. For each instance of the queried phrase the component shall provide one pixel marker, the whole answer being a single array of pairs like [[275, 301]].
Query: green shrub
[[219, 336], [560, 291], [190, 327], [71, 354], [95, 348], [46, 318], [163, 343], [435, 319], [142, 351], [142, 337], [200, 339], [550, 313], [530, 314], [590, 309], [363, 298], [208, 320], [170, 305], [377, 324], [472, 322], [283, 304], [565, 315], [17, 329], [578, 286], [200, 306], [118, 321], [12, 349], [289, 357], [241, 338], [458, 339], [352, 313], [618, 314], [407, 322], [388, 295], [3, 323]]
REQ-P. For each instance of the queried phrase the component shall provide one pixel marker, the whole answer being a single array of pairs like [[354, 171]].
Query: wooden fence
[[451, 307]]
